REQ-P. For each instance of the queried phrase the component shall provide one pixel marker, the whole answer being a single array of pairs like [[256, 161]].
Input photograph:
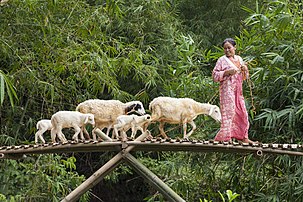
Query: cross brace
[[124, 155]]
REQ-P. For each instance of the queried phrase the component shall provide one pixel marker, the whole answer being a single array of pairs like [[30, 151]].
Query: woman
[[230, 71]]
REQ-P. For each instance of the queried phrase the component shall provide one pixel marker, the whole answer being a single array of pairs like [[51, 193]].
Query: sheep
[[107, 111], [42, 126], [135, 122], [69, 119], [180, 110]]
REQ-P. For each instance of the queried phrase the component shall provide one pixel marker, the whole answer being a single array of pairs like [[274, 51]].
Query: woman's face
[[229, 49]]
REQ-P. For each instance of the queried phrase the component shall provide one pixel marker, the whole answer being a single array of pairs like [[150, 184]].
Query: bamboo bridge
[[123, 149]]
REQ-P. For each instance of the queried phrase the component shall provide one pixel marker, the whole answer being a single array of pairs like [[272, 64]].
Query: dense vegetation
[[55, 54]]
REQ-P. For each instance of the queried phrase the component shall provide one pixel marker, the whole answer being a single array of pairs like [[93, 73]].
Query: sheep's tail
[[151, 105], [78, 108]]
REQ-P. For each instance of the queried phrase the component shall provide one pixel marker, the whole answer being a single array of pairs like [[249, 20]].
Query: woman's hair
[[229, 40]]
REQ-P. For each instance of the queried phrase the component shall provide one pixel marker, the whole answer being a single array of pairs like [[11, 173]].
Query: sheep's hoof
[[148, 138]]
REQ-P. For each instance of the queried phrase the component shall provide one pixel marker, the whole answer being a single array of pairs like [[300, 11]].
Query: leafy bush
[[44, 177]]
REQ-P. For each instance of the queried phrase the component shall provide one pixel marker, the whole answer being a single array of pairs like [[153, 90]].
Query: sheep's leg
[[161, 128], [61, 136], [184, 130], [85, 133], [145, 126], [81, 135], [136, 129], [39, 134], [133, 127], [192, 123], [116, 131], [117, 127], [108, 129], [94, 134], [123, 136], [53, 135], [77, 131], [115, 135]]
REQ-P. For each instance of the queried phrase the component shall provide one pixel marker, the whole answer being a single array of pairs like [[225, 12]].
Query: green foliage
[[39, 178], [272, 44], [230, 195], [5, 84], [55, 54]]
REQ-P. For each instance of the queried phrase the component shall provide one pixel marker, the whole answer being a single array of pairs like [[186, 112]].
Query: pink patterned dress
[[235, 122]]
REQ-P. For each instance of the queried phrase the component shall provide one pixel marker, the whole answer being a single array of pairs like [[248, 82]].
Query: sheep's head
[[215, 113], [135, 106], [89, 119]]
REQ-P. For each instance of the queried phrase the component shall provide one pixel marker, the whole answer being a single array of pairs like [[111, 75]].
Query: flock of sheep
[[113, 114]]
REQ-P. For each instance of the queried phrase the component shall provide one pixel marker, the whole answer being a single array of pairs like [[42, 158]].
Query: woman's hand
[[230, 72], [245, 72], [244, 68]]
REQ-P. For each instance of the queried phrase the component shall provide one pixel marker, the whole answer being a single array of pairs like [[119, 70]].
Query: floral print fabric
[[235, 122]]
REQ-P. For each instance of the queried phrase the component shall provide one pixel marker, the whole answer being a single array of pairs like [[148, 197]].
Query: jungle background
[[55, 54]]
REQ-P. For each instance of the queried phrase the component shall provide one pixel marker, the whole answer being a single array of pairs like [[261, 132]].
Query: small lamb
[[42, 126], [69, 119], [135, 122]]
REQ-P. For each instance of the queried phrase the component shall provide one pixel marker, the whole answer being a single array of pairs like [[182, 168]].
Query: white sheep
[[134, 122], [42, 126], [69, 119], [107, 111], [180, 110]]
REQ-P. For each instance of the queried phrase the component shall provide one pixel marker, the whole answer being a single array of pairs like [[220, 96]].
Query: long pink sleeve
[[218, 72]]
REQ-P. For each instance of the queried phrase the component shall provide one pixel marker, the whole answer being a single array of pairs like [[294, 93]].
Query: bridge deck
[[152, 145], [140, 144]]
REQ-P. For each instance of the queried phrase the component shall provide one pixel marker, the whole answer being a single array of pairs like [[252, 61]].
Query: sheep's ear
[[211, 110], [130, 108]]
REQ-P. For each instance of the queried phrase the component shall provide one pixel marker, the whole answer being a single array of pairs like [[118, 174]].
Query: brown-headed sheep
[[107, 111]]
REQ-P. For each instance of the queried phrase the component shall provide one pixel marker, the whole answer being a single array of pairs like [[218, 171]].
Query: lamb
[[180, 110], [69, 119], [107, 111], [42, 126], [135, 122]]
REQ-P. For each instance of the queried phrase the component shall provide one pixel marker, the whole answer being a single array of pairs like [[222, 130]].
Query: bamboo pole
[[158, 184], [94, 179], [103, 135], [99, 174]]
